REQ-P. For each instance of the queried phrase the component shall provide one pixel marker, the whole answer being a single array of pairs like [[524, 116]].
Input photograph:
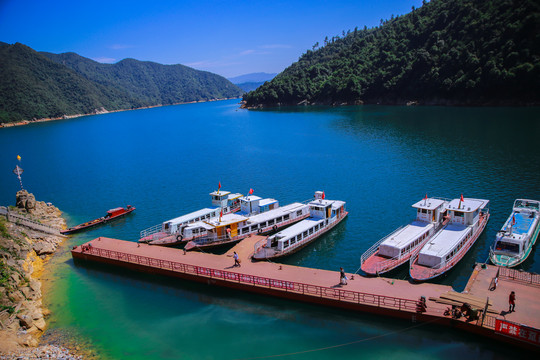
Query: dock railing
[[330, 293], [519, 276], [151, 231], [375, 246]]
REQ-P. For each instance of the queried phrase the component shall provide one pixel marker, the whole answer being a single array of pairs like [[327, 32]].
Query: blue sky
[[229, 38]]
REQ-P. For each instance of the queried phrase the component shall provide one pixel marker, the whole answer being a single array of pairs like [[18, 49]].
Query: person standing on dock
[[342, 277], [236, 261], [512, 302]]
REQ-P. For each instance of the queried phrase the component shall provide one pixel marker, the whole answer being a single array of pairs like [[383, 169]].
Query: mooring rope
[[340, 345]]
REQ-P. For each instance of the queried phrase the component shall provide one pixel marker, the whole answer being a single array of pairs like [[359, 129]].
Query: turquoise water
[[166, 160]]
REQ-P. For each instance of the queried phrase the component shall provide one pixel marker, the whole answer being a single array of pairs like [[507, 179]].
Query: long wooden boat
[[324, 215], [468, 218], [111, 214], [514, 242], [170, 232], [232, 228], [397, 248]]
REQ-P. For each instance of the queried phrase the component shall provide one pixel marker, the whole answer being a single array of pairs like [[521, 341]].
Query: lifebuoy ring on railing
[[259, 231], [179, 237], [274, 227]]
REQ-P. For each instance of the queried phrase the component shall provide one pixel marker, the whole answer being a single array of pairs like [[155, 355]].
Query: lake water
[[165, 161]]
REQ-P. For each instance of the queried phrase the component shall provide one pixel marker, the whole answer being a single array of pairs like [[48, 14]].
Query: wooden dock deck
[[390, 297]]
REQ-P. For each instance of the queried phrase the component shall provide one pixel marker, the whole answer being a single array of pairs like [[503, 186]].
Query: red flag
[[219, 185], [250, 191], [513, 220], [221, 213], [323, 195], [425, 197], [462, 198]]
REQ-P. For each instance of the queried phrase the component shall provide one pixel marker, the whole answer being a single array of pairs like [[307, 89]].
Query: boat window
[[459, 213], [271, 222], [305, 234], [286, 217], [424, 211], [505, 246], [254, 228], [299, 213], [279, 219], [310, 231]]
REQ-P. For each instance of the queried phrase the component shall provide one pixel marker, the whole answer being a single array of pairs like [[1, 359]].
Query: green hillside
[[446, 52], [41, 85], [151, 82]]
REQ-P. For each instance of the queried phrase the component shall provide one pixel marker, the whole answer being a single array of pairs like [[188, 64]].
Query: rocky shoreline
[[24, 251]]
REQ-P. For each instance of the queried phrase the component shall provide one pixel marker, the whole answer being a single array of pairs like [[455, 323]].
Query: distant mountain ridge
[[459, 52], [43, 85]]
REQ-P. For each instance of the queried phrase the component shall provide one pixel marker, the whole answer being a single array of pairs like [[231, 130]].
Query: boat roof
[[251, 198], [336, 204], [428, 204], [409, 233], [298, 228], [445, 240], [226, 219], [467, 205], [531, 205], [523, 223], [234, 196], [219, 193], [115, 209], [191, 215], [274, 213], [199, 224], [267, 201]]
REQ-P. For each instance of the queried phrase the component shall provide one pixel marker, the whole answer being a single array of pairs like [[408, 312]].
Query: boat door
[[328, 212], [234, 230]]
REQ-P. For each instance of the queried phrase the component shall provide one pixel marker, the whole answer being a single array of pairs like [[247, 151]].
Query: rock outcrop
[[22, 254]]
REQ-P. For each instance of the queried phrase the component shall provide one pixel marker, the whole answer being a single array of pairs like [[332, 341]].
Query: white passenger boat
[[170, 231], [514, 242], [398, 247], [324, 215], [468, 218], [234, 227]]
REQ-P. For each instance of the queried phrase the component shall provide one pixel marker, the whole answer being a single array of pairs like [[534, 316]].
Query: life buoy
[[259, 231], [179, 237], [274, 227]]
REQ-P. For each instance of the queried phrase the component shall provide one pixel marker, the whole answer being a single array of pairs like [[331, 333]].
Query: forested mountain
[[446, 52], [249, 82], [40, 85]]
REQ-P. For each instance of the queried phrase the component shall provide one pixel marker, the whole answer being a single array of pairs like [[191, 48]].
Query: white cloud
[[247, 52], [104, 60]]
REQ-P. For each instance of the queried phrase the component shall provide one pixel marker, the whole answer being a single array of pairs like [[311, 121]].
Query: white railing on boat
[[151, 230], [373, 249]]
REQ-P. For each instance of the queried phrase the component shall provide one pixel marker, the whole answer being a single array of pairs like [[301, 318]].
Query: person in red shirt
[[512, 302]]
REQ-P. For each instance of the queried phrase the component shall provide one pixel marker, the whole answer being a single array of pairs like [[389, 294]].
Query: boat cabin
[[225, 199], [430, 210], [115, 212], [227, 225], [175, 225], [515, 236], [321, 212], [255, 205], [464, 219]]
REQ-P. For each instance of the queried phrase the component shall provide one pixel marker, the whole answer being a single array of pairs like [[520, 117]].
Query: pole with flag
[[250, 191], [220, 214], [460, 201], [425, 200], [18, 171], [218, 187]]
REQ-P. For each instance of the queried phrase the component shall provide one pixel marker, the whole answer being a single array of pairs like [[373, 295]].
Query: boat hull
[[95, 222], [423, 273]]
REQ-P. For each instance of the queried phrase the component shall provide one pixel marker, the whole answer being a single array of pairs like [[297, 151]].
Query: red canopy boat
[[111, 214]]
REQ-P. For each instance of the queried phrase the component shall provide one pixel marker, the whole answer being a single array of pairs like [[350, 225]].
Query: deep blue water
[[165, 161]]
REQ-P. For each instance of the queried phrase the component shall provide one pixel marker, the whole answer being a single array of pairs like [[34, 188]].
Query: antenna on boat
[[18, 171]]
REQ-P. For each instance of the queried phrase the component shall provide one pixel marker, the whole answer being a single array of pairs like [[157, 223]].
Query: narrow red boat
[[111, 214]]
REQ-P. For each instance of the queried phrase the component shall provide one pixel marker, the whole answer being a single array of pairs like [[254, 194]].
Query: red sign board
[[518, 331]]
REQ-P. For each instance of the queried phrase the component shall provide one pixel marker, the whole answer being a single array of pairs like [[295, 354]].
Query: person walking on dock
[[512, 302], [236, 260]]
